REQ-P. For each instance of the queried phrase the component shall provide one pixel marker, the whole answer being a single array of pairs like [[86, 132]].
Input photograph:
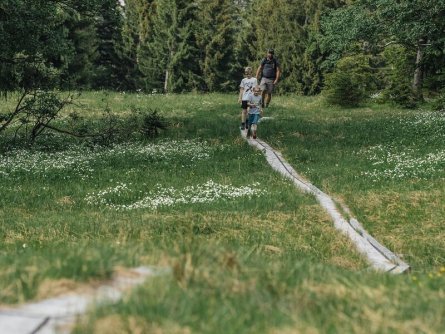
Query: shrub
[[398, 76], [350, 81], [439, 102], [146, 122]]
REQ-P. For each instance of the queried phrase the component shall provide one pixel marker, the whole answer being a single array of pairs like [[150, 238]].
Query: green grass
[[266, 261], [386, 164]]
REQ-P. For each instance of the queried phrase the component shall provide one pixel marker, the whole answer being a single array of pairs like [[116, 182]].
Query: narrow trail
[[58, 315], [377, 255]]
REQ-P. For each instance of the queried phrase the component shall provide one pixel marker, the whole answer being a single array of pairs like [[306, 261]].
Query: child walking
[[255, 110], [246, 87]]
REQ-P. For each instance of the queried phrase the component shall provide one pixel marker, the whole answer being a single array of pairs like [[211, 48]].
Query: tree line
[[347, 47]]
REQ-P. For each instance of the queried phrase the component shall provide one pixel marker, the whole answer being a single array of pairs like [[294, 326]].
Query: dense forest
[[350, 48]]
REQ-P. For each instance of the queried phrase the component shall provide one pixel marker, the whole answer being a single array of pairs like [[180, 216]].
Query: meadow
[[248, 252]]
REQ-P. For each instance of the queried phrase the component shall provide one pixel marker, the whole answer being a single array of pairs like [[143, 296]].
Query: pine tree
[[108, 70], [169, 56], [136, 28], [278, 24], [82, 34], [184, 64], [154, 50], [218, 44]]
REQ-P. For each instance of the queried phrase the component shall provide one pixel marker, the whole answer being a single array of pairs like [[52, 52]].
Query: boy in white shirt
[[255, 110], [246, 87]]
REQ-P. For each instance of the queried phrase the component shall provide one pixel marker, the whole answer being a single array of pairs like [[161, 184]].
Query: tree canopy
[[179, 46]]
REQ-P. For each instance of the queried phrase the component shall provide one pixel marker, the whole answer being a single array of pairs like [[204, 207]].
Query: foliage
[[169, 52], [135, 29], [146, 123], [42, 114], [108, 63], [439, 102], [34, 112], [313, 59], [373, 25], [397, 74], [350, 82], [267, 19], [179, 46], [217, 44]]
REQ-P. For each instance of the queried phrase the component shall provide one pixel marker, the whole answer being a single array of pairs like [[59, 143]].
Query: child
[[255, 110], [245, 91]]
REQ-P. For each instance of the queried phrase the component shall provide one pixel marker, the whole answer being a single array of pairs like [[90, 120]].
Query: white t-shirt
[[247, 85], [256, 100]]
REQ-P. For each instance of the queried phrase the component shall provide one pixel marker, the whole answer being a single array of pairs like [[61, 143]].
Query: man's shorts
[[254, 118], [267, 85], [244, 104]]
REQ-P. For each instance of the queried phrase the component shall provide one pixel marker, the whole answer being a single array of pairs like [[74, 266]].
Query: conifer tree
[[218, 44], [108, 65], [136, 28], [278, 24], [169, 56], [82, 34], [155, 49]]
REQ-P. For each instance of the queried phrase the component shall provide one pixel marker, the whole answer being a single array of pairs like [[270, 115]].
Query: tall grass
[[385, 164], [248, 251]]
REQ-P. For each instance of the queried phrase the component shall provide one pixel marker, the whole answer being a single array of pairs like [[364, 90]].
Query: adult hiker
[[270, 72]]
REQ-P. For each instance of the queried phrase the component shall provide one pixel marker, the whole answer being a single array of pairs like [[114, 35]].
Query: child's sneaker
[[242, 127]]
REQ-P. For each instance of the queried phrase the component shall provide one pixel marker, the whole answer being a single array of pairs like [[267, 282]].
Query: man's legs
[[270, 87], [267, 99], [263, 95], [267, 86]]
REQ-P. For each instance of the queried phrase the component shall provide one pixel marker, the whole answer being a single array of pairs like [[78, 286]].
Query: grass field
[[249, 253]]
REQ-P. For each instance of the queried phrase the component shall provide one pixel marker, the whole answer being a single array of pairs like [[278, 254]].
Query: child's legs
[[253, 120], [243, 115], [244, 111]]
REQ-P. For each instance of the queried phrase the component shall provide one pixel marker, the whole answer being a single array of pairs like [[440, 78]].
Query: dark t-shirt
[[270, 68]]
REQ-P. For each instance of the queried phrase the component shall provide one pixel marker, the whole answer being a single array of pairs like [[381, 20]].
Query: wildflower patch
[[78, 161], [400, 163], [160, 196]]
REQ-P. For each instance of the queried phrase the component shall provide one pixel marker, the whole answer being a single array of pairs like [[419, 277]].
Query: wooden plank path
[[377, 255], [58, 315]]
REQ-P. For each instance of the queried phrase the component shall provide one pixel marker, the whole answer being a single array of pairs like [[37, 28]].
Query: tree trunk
[[418, 73], [166, 81]]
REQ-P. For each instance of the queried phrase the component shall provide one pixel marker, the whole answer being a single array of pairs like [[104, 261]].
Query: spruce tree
[[155, 49], [136, 28], [278, 24], [169, 56], [218, 44], [82, 34], [108, 71]]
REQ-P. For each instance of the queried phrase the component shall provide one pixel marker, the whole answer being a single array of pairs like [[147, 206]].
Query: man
[[270, 72]]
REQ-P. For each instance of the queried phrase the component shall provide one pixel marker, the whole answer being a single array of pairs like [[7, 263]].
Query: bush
[[398, 76], [350, 81], [147, 122], [439, 102]]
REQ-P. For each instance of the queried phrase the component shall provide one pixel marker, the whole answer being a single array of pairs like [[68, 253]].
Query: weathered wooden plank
[[379, 256]]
